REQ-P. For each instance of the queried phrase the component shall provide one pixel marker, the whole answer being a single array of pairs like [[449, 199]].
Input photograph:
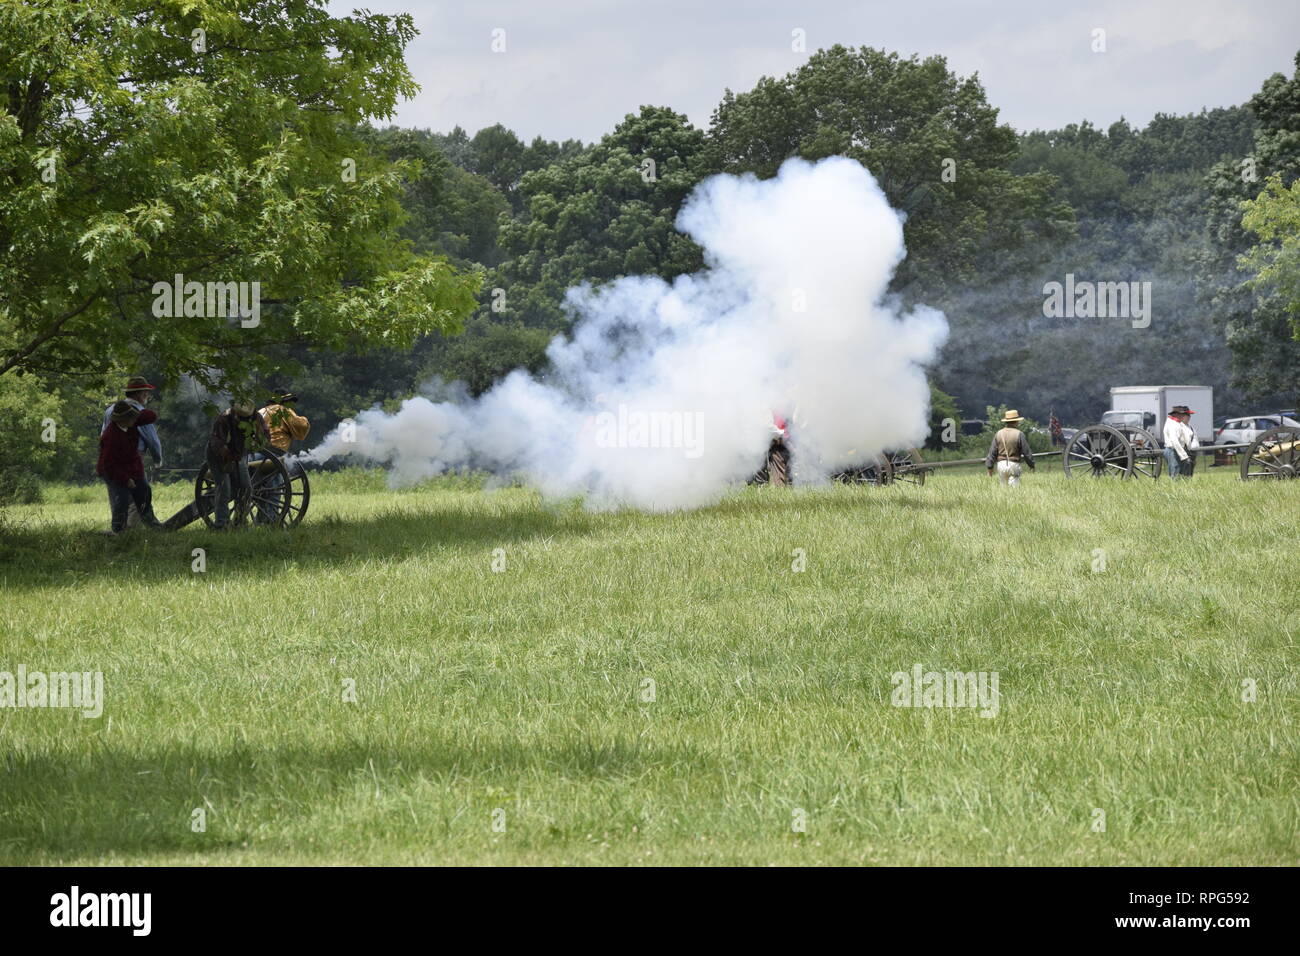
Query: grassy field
[[519, 696]]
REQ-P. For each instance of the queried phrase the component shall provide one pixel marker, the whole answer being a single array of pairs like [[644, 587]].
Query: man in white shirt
[[1180, 442]]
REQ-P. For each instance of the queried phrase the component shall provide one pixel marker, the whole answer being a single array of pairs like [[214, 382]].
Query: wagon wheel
[[281, 491], [1100, 451], [205, 496], [298, 494], [1148, 457], [906, 466], [879, 472], [1274, 454]]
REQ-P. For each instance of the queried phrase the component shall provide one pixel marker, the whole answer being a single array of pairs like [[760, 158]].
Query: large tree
[[211, 139], [929, 137]]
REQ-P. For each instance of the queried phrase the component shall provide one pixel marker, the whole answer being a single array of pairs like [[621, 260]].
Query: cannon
[[1274, 454], [278, 496]]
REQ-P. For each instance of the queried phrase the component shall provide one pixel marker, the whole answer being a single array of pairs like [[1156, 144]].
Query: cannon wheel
[[906, 466], [286, 499], [1148, 457], [298, 493], [880, 472], [1100, 451], [1274, 454]]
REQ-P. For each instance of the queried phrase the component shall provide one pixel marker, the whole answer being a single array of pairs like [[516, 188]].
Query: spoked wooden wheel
[[1100, 451], [1148, 457], [906, 466], [205, 494], [879, 472], [278, 495], [1274, 454], [298, 494], [280, 491]]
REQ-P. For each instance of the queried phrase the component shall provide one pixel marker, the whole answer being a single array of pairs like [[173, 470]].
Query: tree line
[[393, 258]]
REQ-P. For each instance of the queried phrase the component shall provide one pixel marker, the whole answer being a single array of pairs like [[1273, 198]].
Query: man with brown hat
[[138, 393], [121, 467], [1008, 450]]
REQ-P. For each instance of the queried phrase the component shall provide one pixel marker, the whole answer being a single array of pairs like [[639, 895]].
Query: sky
[[575, 68]]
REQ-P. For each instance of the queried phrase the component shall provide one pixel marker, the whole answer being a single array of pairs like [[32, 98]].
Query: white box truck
[[1147, 406]]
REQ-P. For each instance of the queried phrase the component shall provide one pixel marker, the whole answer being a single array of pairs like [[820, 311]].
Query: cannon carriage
[[278, 496]]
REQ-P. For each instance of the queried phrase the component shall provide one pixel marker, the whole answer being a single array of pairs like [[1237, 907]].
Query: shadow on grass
[[36, 554], [112, 802], [41, 556]]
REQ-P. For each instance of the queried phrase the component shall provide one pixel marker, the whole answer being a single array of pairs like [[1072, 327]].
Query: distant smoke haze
[[663, 396]]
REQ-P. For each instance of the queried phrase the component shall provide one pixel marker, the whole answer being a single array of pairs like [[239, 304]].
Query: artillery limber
[[278, 495]]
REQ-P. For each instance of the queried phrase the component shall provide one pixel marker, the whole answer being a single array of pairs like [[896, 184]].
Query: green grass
[[521, 690]]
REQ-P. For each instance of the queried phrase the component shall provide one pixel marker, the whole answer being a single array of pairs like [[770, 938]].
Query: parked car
[[1242, 431]]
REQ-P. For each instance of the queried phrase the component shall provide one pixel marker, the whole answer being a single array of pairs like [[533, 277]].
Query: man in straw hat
[[1008, 450], [235, 432], [1180, 442], [122, 468]]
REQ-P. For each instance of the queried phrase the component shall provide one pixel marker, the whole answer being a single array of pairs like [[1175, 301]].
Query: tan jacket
[[285, 425], [1009, 444]]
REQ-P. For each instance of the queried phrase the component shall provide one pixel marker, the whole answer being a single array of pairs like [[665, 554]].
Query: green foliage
[[1140, 204], [25, 407], [600, 215], [222, 164], [907, 120], [1274, 215], [942, 406], [488, 351]]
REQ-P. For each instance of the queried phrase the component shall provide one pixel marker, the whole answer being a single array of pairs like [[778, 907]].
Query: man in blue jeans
[[235, 431]]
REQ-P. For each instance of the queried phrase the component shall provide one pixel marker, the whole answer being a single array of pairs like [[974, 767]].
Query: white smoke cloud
[[663, 396]]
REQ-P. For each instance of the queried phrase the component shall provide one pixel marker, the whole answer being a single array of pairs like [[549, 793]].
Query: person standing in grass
[[138, 393], [1008, 450], [234, 433], [1180, 442], [121, 466]]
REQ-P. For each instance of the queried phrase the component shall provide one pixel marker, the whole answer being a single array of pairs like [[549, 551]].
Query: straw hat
[[1011, 417]]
